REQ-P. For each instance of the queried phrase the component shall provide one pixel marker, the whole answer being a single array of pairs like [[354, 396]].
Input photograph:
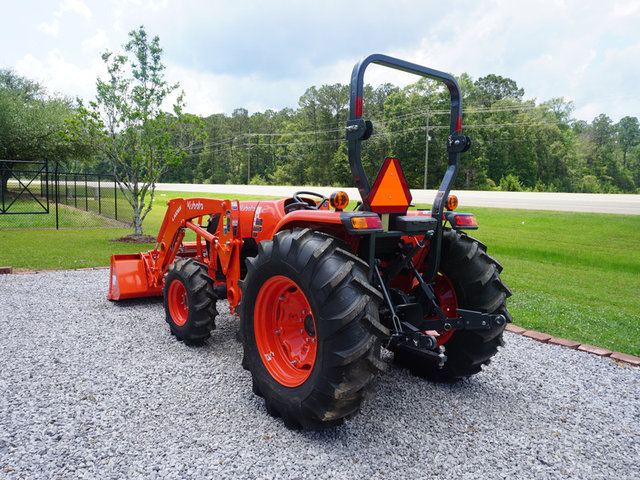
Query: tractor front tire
[[310, 329], [475, 278], [189, 301]]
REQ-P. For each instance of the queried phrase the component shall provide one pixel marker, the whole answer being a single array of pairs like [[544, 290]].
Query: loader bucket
[[129, 278]]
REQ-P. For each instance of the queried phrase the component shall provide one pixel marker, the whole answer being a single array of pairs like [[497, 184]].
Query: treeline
[[517, 144]]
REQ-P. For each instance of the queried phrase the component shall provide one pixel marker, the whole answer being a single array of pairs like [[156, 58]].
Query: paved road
[[570, 202]]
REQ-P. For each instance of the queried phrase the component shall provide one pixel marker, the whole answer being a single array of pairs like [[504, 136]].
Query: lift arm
[[142, 275]]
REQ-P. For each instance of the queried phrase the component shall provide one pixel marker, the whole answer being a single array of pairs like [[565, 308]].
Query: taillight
[[464, 221], [362, 223]]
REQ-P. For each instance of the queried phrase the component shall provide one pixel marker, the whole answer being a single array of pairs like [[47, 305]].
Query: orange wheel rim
[[178, 303], [285, 331]]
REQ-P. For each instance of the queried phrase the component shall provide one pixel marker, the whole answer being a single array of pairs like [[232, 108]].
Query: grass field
[[573, 275]]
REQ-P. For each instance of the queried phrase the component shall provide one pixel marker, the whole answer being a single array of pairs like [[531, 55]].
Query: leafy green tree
[[31, 122], [493, 88], [516, 143], [628, 131], [126, 124]]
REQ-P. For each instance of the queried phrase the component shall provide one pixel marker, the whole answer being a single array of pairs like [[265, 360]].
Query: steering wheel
[[298, 201]]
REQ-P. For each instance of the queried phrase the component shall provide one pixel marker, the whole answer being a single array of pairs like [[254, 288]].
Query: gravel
[[95, 389]]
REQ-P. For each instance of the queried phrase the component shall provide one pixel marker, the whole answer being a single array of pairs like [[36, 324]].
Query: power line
[[383, 134], [409, 115]]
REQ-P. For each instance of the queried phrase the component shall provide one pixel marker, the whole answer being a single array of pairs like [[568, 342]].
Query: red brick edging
[[545, 338]]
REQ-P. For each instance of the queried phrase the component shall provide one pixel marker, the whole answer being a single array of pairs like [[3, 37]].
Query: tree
[[31, 122], [628, 131], [126, 124], [493, 88]]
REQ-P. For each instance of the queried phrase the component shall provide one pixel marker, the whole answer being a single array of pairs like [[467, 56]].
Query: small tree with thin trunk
[[125, 122]]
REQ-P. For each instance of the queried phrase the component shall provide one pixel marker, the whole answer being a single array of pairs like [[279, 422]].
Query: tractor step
[[129, 278]]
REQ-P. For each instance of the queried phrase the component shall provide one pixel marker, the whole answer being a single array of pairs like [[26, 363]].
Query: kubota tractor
[[319, 289]]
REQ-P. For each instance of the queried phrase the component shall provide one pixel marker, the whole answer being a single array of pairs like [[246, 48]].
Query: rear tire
[[475, 277], [310, 329], [189, 301]]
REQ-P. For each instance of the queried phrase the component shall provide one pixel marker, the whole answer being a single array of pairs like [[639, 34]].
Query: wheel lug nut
[[293, 363], [277, 332], [302, 331]]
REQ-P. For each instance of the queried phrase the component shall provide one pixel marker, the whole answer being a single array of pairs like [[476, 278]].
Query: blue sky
[[260, 55]]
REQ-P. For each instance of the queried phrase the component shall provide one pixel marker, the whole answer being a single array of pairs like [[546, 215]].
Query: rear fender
[[325, 221], [319, 220]]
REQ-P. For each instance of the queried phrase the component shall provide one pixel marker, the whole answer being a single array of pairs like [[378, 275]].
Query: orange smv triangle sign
[[390, 192]]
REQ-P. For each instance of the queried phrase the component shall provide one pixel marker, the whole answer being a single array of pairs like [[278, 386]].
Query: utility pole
[[231, 153], [426, 152], [249, 158]]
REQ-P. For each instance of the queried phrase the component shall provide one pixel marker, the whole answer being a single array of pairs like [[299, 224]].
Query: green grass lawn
[[573, 275]]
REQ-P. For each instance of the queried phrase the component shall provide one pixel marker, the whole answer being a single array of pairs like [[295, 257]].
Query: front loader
[[320, 290]]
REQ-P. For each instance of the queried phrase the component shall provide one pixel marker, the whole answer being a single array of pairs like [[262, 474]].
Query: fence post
[[99, 197], [46, 180], [86, 194], [115, 197], [2, 174], [57, 192]]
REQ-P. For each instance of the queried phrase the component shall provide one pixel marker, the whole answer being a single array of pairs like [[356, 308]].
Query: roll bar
[[359, 129]]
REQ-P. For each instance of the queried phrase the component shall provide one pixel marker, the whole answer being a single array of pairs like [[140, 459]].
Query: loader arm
[[142, 274]]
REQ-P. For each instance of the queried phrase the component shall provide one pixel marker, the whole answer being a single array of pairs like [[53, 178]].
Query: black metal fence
[[23, 187], [33, 196]]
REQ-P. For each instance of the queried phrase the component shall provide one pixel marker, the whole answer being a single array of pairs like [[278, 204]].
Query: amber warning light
[[339, 200]]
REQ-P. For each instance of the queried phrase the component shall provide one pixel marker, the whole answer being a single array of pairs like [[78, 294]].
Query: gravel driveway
[[94, 389]]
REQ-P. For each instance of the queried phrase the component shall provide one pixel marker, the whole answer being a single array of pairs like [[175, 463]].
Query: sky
[[263, 55]]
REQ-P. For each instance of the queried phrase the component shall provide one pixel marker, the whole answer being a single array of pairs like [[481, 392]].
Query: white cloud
[[99, 42], [31, 67], [75, 6], [228, 55], [51, 28], [207, 93], [626, 9], [157, 5], [61, 76]]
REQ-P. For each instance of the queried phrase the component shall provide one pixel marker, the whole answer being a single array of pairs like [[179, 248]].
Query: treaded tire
[[475, 277], [344, 309], [189, 301]]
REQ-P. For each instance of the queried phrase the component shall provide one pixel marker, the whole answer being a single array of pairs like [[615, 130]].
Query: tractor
[[320, 289]]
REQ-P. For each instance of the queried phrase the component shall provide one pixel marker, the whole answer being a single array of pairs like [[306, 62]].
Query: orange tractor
[[320, 289]]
